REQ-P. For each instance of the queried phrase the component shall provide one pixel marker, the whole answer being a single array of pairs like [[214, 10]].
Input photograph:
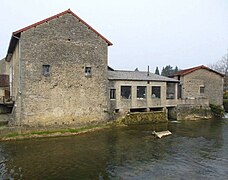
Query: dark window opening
[[179, 91], [202, 88], [112, 94], [88, 71], [156, 91], [141, 92], [138, 110], [126, 92], [157, 109], [117, 110], [170, 91], [46, 70]]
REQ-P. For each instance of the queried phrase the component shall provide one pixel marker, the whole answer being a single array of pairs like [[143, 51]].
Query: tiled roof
[[137, 76], [56, 16], [187, 71]]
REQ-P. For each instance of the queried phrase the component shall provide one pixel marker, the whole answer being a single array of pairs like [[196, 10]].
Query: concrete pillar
[[176, 90]]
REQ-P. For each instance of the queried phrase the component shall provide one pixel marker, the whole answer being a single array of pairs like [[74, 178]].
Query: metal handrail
[[7, 100]]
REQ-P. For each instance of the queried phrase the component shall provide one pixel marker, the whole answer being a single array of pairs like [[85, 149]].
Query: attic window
[[88, 71], [46, 70]]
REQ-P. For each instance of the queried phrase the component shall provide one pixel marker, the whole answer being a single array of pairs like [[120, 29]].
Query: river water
[[196, 150]]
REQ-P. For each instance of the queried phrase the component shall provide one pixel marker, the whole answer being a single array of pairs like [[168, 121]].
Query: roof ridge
[[131, 71], [56, 16], [189, 70]]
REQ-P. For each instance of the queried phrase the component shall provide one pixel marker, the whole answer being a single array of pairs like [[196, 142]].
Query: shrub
[[225, 104], [217, 111], [225, 95]]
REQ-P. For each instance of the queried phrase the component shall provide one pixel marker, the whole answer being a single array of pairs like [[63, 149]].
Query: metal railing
[[6, 100]]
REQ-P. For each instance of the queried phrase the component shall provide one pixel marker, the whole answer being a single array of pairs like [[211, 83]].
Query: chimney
[[148, 71]]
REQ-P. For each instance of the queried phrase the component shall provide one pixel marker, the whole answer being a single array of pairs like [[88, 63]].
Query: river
[[196, 150]]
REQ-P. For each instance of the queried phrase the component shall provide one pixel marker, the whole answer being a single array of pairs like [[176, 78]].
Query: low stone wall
[[145, 118], [192, 112], [195, 101], [4, 109]]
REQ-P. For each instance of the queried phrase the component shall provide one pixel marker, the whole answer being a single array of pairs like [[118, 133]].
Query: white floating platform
[[161, 134]]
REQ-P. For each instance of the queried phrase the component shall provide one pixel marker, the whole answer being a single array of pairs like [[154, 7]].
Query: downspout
[[148, 71], [19, 81], [19, 63]]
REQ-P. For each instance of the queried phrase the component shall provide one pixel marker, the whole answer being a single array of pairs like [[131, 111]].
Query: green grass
[[62, 131], [225, 95], [13, 135]]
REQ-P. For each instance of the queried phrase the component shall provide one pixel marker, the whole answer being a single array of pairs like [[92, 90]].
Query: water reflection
[[196, 150]]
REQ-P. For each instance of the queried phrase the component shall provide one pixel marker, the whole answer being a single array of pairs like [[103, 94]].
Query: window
[[202, 89], [170, 90], [126, 92], [88, 71], [179, 91], [112, 94], [46, 70], [141, 92], [156, 91]]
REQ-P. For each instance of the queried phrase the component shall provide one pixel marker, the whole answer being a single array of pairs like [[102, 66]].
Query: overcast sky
[[185, 33]]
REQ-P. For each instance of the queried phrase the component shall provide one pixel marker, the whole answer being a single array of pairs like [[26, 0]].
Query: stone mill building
[[57, 72], [201, 82]]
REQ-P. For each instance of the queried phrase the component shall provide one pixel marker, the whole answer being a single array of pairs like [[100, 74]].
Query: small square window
[[46, 70], [88, 71], [202, 88], [112, 94]]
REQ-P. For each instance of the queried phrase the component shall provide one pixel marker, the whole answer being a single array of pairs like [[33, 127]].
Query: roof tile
[[187, 71], [137, 76]]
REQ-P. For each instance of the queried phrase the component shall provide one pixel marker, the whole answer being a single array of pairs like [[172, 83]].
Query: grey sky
[[185, 33]]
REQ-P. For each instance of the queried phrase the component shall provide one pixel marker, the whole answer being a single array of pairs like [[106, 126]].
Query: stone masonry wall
[[3, 69], [145, 118], [212, 82], [67, 96], [192, 112]]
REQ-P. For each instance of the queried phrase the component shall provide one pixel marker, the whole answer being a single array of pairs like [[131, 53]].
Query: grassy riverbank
[[15, 133], [54, 132]]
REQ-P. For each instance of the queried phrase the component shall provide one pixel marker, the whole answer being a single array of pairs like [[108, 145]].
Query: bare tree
[[222, 67]]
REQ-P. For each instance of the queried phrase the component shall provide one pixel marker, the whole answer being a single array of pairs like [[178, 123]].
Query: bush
[[217, 111], [225, 104], [225, 95]]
